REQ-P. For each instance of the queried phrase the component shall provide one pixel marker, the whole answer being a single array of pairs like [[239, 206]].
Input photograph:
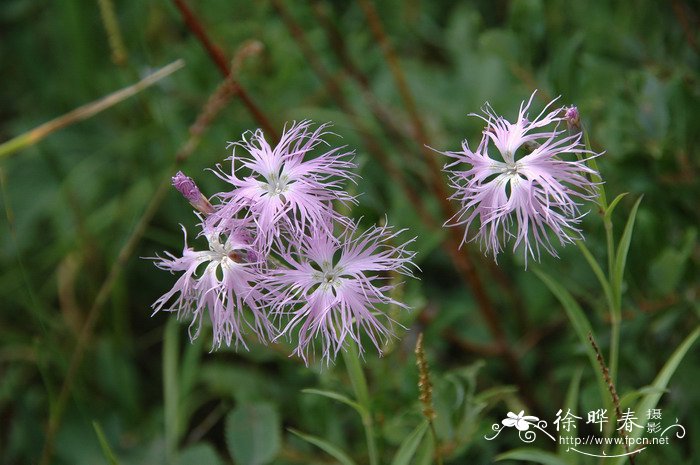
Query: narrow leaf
[[571, 403], [658, 387], [579, 322], [339, 397], [326, 446], [426, 451], [532, 455], [622, 249], [613, 204], [409, 445]]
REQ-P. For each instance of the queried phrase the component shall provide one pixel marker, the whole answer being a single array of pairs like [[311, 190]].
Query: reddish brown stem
[[219, 59], [373, 145], [688, 21], [335, 38], [462, 261]]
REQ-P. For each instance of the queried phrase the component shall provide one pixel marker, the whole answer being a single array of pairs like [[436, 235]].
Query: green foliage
[[253, 433], [145, 394]]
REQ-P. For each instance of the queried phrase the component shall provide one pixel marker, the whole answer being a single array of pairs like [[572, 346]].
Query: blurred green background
[[72, 201]]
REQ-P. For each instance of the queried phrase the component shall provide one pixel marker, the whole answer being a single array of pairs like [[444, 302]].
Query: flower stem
[[614, 295], [359, 386], [614, 302]]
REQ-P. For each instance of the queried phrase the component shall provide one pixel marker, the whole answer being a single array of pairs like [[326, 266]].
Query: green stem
[[170, 386], [17, 143], [614, 304], [614, 300], [359, 385], [611, 290], [614, 347]]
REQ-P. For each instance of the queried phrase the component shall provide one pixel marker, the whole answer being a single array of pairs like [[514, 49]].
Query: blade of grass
[[104, 444], [616, 288], [571, 403], [86, 111], [326, 446], [408, 447], [351, 356], [660, 383], [622, 250], [209, 111], [581, 325], [340, 398], [532, 455]]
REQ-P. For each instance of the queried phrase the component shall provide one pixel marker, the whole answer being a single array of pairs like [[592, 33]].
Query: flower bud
[[186, 186]]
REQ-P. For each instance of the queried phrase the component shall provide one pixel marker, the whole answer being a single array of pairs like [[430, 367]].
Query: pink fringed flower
[[332, 288], [283, 188], [273, 266], [219, 282], [530, 190]]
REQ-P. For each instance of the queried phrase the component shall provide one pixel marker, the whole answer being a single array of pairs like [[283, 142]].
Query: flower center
[[511, 170], [276, 185], [328, 277]]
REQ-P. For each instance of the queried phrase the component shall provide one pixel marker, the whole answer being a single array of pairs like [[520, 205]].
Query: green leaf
[[408, 447], [613, 204], [326, 446], [253, 433], [579, 322], [571, 403], [357, 376], [426, 451], [199, 454], [628, 399], [339, 397], [667, 269], [658, 387], [622, 249], [532, 455]]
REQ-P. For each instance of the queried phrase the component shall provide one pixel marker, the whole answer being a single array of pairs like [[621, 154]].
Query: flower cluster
[[274, 266], [530, 191]]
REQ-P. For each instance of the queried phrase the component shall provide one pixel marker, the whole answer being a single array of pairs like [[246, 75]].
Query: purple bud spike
[[186, 186]]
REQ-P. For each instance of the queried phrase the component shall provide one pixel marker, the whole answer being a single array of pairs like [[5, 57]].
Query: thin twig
[[86, 111], [219, 59], [462, 261], [373, 145], [409, 102], [685, 17], [394, 128], [426, 317], [209, 111]]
